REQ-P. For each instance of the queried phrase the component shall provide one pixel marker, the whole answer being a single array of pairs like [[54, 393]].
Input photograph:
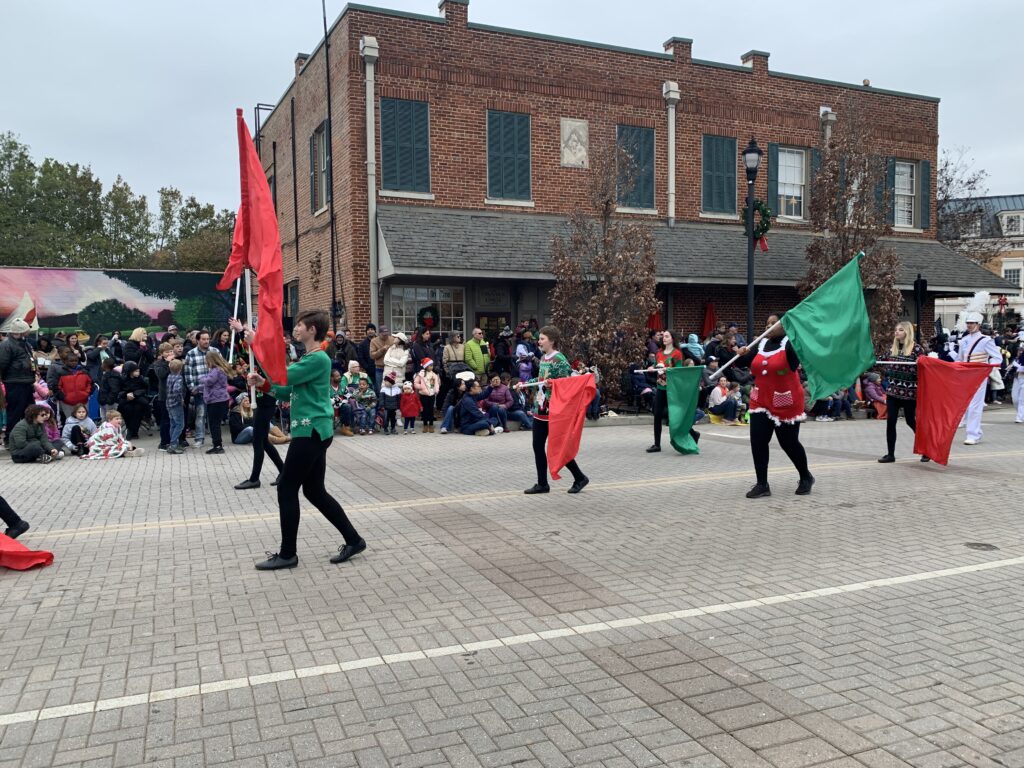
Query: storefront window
[[407, 301]]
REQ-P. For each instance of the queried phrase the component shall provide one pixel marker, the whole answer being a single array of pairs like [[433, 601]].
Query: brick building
[[479, 137]]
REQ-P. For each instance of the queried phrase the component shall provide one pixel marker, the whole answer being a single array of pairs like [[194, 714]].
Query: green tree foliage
[[111, 315], [198, 311], [56, 214]]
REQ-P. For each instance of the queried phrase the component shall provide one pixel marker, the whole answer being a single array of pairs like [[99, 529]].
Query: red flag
[[569, 400], [710, 321], [944, 390], [18, 557], [259, 243], [236, 262]]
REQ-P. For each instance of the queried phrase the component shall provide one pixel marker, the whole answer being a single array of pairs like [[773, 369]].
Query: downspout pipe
[[370, 51], [670, 91]]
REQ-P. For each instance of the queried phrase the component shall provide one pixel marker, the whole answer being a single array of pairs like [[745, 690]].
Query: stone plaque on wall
[[492, 298], [575, 143]]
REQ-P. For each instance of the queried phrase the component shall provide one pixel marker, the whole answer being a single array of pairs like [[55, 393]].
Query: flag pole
[[248, 313], [238, 294], [721, 370]]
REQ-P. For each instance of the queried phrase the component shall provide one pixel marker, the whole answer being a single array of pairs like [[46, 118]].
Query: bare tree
[[605, 283], [959, 211], [849, 207]]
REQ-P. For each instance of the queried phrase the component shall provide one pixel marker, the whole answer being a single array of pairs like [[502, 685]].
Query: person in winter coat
[[365, 407], [450, 408], [137, 351], [427, 385], [77, 430], [45, 348], [391, 400], [111, 385], [174, 406], [363, 351], [241, 420], [473, 419], [423, 348], [161, 371], [397, 357], [94, 357], [454, 355], [410, 406], [28, 441], [133, 400], [74, 387], [874, 393], [345, 352], [504, 352], [478, 354], [517, 411], [214, 387], [379, 346]]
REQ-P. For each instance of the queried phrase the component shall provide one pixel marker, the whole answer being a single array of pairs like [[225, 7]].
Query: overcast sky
[[148, 89]]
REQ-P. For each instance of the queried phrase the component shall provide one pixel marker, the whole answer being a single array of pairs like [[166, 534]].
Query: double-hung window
[[792, 195], [405, 145], [319, 169], [904, 194]]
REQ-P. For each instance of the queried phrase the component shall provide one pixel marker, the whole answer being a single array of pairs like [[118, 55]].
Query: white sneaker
[[498, 430], [972, 441], [444, 431]]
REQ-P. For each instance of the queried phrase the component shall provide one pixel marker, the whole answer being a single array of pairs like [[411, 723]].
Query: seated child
[[29, 441], [77, 429], [108, 442]]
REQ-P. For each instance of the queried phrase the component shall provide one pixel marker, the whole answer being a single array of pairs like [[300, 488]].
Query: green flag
[[831, 333], [683, 389]]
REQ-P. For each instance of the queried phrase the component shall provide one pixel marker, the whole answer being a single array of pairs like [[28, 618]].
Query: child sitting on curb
[[108, 441]]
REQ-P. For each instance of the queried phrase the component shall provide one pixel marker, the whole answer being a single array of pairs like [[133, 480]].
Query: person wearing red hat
[[427, 384]]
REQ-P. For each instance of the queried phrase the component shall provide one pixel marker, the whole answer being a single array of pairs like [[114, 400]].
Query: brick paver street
[[658, 618]]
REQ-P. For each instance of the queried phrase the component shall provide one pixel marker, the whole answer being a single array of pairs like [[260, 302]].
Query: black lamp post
[[751, 161]]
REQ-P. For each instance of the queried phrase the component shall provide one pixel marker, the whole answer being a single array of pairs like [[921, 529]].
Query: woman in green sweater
[[553, 365], [312, 416]]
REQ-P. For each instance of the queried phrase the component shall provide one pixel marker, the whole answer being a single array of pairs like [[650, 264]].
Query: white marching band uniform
[[977, 348]]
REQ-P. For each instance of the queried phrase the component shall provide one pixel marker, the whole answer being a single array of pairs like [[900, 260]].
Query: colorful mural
[[99, 301]]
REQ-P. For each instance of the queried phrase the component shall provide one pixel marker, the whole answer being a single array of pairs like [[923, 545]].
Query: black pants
[[390, 419], [134, 412], [8, 515], [894, 404], [427, 414], [217, 414], [19, 397], [305, 467], [661, 413], [540, 456], [160, 412], [761, 430], [261, 441], [29, 453]]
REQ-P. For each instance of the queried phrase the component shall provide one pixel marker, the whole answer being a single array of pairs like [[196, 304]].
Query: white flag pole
[[248, 312], [238, 295], [721, 370]]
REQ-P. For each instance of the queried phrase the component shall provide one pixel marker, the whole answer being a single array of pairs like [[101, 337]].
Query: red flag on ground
[[236, 262], [569, 400], [710, 321], [258, 244], [18, 557], [944, 390]]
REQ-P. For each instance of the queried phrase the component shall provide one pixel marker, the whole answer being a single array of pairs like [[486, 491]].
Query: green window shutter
[[406, 152], [523, 157], [494, 188], [421, 146], [773, 178], [312, 174], [508, 155], [638, 143], [815, 167], [890, 184], [926, 194], [718, 174], [388, 143]]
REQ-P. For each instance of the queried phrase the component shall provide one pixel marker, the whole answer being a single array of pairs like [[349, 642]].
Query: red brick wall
[[461, 71]]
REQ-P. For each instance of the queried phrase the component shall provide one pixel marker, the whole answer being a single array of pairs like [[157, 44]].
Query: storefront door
[[491, 323]]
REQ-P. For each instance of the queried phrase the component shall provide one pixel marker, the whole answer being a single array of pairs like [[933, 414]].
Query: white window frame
[[1008, 274], [322, 174], [407, 300], [1014, 217], [973, 229], [802, 184], [904, 196]]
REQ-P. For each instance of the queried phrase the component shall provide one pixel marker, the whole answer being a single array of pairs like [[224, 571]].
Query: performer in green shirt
[[312, 417]]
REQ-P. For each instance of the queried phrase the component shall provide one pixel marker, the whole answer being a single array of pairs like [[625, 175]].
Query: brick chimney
[[756, 60], [300, 62], [680, 47], [455, 12]]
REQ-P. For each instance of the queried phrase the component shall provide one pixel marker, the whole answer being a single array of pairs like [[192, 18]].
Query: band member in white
[[976, 347]]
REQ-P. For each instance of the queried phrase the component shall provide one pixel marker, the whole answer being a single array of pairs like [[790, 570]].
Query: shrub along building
[[474, 142]]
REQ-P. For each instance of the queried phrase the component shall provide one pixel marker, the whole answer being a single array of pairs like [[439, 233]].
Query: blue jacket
[[469, 411]]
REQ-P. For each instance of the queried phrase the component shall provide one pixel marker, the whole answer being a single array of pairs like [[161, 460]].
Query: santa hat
[[426, 362]]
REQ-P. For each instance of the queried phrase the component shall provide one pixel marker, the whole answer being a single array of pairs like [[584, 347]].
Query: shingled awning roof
[[430, 241]]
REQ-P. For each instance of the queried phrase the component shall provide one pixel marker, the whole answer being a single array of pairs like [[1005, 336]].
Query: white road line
[[88, 707]]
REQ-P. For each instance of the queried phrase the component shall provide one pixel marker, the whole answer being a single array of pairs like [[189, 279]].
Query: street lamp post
[[751, 161]]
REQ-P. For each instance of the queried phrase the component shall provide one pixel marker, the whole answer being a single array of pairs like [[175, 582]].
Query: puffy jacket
[[75, 386], [110, 388], [25, 433], [478, 356], [16, 361], [136, 352]]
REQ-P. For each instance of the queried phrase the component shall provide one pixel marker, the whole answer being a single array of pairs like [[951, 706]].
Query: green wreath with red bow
[[762, 223], [427, 317]]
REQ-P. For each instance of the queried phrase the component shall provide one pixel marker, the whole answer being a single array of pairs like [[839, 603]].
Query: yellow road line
[[435, 501]]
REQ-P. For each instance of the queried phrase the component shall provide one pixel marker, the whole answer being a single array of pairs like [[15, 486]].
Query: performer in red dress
[[776, 407]]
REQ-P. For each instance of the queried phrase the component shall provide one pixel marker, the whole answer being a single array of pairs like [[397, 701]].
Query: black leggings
[[540, 456], [261, 441], [427, 415], [8, 515], [761, 430], [217, 413], [893, 405], [660, 412], [305, 467]]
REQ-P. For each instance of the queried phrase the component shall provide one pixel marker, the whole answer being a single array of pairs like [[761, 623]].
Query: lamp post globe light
[[751, 161]]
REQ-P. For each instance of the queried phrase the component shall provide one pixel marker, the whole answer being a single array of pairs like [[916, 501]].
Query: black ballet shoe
[[654, 449], [538, 488], [804, 486], [348, 551], [276, 562], [579, 485], [759, 491], [887, 459]]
